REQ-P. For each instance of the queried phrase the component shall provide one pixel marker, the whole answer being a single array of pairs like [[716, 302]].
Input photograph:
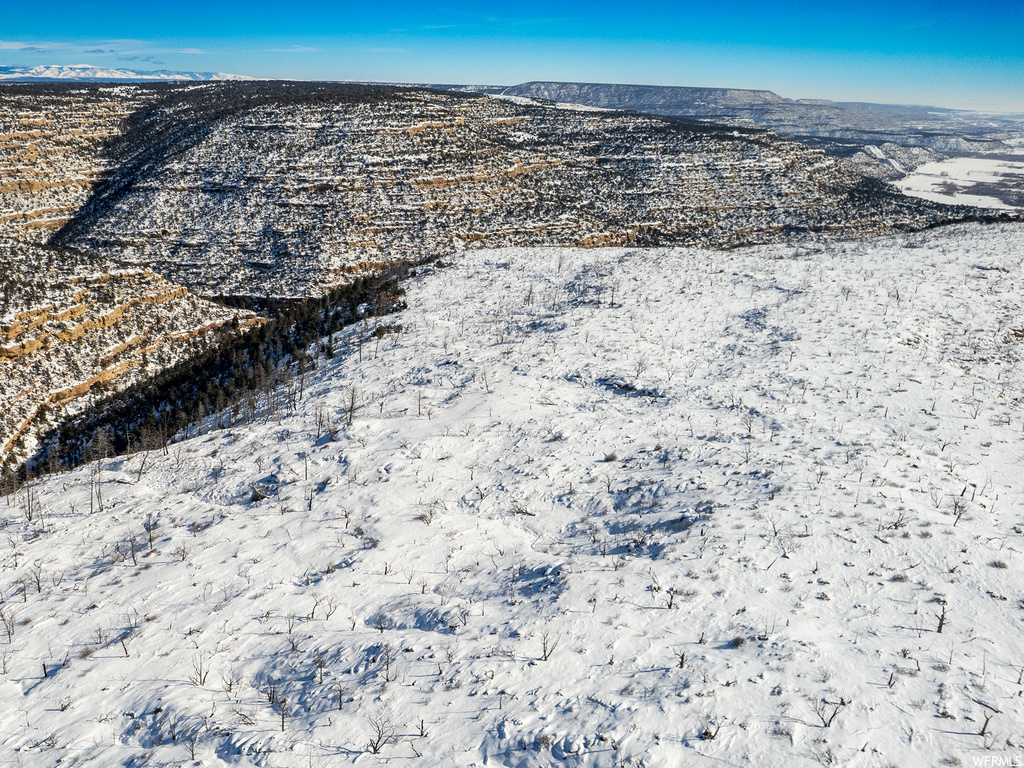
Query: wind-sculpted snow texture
[[573, 507], [283, 189]]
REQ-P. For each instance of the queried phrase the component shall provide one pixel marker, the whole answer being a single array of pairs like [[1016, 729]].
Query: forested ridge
[[259, 371]]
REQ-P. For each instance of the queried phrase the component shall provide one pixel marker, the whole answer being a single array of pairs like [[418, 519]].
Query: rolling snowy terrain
[[579, 507], [253, 191]]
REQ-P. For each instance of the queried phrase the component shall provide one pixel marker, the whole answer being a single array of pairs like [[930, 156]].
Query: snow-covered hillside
[[73, 327], [581, 507], [284, 189]]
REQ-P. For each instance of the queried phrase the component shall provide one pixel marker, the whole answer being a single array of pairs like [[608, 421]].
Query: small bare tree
[[317, 599], [548, 643], [353, 402], [984, 728], [959, 508], [709, 727], [282, 705], [383, 732], [200, 670], [330, 606], [192, 742], [8, 621], [827, 709]]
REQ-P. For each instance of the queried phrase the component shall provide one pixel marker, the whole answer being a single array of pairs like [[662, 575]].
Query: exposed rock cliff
[[51, 150], [72, 327]]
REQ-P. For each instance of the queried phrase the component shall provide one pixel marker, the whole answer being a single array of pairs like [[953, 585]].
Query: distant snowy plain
[[953, 181], [610, 507]]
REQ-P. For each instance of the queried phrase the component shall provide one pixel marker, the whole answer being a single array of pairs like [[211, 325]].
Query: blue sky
[[939, 52]]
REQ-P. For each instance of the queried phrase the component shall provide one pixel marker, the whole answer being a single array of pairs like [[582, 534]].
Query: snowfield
[[953, 181], [609, 507]]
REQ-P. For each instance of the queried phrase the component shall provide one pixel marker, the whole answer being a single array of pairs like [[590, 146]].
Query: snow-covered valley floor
[[977, 181], [594, 507]]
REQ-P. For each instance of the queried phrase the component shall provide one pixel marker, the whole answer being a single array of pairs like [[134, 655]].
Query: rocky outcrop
[[51, 150], [70, 328]]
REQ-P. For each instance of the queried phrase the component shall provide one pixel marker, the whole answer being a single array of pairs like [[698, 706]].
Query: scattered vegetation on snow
[[608, 507]]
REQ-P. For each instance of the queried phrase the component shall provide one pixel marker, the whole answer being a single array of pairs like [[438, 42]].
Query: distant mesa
[[644, 98], [841, 128]]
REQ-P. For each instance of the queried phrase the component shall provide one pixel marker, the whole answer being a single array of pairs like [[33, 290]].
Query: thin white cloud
[[293, 49], [123, 47], [14, 45], [93, 47], [135, 41], [146, 59], [187, 51], [146, 51]]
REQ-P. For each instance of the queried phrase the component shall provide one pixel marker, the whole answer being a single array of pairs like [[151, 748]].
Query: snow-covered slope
[[90, 73], [284, 189], [52, 138], [583, 507], [990, 182], [909, 135]]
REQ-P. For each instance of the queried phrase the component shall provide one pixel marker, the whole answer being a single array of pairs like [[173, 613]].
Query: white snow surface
[[928, 180], [595, 508], [569, 107], [878, 154]]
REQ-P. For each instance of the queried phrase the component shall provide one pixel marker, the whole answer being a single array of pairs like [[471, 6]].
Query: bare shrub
[[382, 729]]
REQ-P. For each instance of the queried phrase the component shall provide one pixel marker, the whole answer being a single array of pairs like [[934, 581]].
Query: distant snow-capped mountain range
[[89, 73]]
